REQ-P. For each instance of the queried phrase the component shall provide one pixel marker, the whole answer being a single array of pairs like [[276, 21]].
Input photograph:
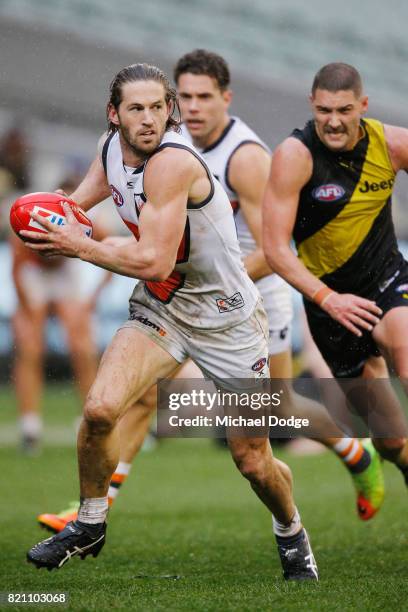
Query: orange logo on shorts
[[148, 323]]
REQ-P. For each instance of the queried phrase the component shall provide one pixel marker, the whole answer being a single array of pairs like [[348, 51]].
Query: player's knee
[[253, 464], [101, 414], [253, 470], [390, 448]]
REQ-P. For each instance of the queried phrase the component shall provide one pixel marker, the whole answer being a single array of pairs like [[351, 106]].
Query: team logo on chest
[[328, 193], [116, 196]]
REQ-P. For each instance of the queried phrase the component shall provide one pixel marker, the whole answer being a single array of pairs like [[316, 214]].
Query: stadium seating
[[272, 40]]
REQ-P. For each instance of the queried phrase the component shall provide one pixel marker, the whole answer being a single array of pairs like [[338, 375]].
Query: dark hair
[[205, 62], [142, 72], [336, 77]]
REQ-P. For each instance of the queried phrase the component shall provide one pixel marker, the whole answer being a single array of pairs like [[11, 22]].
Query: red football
[[49, 206]]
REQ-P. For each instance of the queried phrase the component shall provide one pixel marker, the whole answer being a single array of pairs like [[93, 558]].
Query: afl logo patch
[[259, 365], [116, 196], [328, 193]]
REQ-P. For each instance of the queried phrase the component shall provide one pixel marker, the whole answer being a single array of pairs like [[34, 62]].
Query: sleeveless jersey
[[218, 157], [209, 287], [343, 230]]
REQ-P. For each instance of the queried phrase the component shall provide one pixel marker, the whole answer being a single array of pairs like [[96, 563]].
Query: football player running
[[349, 269], [186, 254], [241, 161]]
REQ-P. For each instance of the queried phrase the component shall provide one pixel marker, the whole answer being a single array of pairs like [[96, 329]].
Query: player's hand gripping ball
[[47, 205]]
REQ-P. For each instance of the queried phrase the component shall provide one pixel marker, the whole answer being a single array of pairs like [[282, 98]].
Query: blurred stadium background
[[57, 60]]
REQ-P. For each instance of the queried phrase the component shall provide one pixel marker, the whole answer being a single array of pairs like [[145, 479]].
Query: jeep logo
[[376, 186]]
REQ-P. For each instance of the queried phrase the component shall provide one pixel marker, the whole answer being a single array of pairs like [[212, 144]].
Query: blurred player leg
[[135, 424], [360, 458], [28, 325], [394, 347], [311, 357], [76, 319]]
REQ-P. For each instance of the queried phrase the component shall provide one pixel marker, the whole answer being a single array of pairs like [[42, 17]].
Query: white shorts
[[239, 352], [277, 301], [66, 281]]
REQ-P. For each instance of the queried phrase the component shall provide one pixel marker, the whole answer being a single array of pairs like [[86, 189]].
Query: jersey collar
[[221, 137]]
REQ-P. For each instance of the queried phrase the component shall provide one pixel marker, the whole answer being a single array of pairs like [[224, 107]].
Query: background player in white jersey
[[187, 255], [241, 161]]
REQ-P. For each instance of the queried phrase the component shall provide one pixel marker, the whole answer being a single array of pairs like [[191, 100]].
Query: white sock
[[123, 468], [285, 531], [31, 425], [93, 510], [350, 450], [342, 445], [118, 478]]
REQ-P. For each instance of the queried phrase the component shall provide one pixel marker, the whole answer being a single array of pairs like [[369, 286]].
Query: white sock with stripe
[[117, 480]]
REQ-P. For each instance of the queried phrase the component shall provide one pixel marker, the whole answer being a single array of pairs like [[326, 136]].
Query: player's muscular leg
[[77, 322], [130, 366], [280, 366], [269, 478], [390, 336], [28, 326], [135, 423]]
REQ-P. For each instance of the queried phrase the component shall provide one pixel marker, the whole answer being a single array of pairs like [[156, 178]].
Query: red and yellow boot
[[58, 522]]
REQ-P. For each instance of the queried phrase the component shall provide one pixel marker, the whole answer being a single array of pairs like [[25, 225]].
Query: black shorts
[[345, 353]]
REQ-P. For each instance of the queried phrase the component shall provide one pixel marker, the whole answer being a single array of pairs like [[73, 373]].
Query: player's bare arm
[[248, 175], [169, 181], [291, 169], [119, 240], [397, 141], [93, 188]]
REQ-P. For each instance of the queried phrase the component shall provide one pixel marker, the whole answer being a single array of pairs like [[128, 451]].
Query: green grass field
[[187, 533]]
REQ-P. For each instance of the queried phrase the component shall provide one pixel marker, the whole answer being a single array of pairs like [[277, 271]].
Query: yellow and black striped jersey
[[343, 231]]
